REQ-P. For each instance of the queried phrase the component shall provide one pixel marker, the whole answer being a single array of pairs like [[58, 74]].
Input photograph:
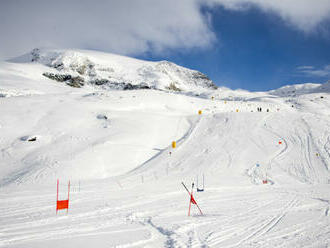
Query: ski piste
[[109, 157], [192, 200]]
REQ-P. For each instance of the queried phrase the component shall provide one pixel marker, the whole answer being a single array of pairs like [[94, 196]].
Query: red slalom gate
[[62, 204], [192, 199]]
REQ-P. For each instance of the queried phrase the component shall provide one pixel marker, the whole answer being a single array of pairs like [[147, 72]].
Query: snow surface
[[114, 147]]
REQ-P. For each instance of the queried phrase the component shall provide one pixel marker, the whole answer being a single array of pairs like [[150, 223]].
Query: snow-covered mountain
[[300, 89], [80, 67], [267, 172]]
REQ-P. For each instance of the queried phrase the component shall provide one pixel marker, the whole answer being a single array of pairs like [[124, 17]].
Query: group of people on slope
[[259, 109]]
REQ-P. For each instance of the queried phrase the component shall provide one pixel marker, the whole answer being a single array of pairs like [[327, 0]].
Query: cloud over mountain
[[125, 27], [312, 71], [133, 27], [302, 14]]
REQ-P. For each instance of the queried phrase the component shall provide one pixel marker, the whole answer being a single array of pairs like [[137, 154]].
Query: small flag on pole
[[62, 204]]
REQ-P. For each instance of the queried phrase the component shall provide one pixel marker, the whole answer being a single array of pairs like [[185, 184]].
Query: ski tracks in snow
[[268, 225]]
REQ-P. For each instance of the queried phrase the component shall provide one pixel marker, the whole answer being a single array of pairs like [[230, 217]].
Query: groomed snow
[[114, 147]]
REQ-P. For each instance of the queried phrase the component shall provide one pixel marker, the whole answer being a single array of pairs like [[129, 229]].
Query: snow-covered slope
[[80, 67], [115, 148], [300, 89]]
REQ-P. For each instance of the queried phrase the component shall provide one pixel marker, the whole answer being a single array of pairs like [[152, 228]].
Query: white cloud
[[302, 14], [305, 67], [312, 71], [132, 27], [121, 26]]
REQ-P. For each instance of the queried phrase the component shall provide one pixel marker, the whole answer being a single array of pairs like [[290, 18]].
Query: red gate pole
[[67, 210], [57, 196], [199, 209], [190, 202]]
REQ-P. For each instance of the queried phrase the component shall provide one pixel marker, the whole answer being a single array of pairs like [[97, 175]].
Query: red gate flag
[[192, 200], [62, 204]]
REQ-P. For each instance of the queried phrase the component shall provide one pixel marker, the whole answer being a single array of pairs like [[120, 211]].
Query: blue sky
[[258, 51], [250, 44]]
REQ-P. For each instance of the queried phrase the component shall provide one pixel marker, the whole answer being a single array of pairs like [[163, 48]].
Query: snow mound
[[13, 93]]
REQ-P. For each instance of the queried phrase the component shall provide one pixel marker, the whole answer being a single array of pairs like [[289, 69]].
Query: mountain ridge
[[78, 67]]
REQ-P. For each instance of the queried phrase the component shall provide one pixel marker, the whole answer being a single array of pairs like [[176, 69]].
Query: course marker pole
[[192, 200], [67, 210], [189, 205], [57, 197]]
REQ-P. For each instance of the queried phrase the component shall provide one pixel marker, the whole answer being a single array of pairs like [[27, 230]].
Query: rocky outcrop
[[72, 81], [200, 76], [101, 81], [35, 53], [173, 87]]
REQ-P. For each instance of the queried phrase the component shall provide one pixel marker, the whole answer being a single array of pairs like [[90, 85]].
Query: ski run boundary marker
[[62, 204]]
